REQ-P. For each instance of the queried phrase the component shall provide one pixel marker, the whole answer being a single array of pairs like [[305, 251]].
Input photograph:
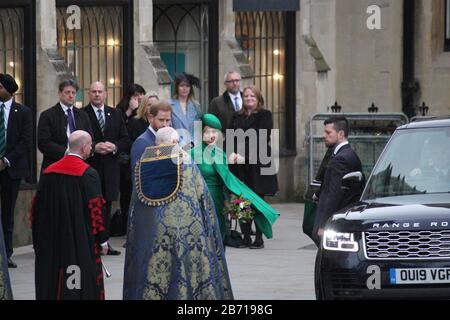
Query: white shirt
[[75, 155], [152, 130], [7, 109], [233, 99], [99, 108], [65, 108], [339, 147]]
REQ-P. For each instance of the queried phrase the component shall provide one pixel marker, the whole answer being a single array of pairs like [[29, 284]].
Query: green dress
[[214, 168]]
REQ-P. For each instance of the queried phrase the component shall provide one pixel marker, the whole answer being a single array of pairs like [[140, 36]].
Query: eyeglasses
[[233, 81]]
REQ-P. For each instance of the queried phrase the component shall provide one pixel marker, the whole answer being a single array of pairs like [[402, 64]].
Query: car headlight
[[339, 241]]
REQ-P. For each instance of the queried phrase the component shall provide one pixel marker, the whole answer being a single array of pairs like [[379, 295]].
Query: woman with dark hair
[[248, 167], [130, 101], [128, 105], [140, 122], [186, 110]]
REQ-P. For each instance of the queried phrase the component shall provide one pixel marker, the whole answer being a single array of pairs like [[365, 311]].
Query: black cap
[[189, 78], [8, 83]]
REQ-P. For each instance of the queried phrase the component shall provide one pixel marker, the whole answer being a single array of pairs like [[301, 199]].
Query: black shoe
[[11, 264], [257, 245], [113, 252]]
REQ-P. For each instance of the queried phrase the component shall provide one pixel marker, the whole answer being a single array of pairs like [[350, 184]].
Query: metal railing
[[369, 133]]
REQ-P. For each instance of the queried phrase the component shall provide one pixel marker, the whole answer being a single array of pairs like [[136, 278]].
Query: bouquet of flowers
[[240, 209]]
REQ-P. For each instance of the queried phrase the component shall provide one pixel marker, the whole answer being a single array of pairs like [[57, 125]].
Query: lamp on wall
[[112, 42], [277, 76]]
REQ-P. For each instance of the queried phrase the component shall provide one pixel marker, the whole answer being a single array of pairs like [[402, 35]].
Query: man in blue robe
[[174, 247]]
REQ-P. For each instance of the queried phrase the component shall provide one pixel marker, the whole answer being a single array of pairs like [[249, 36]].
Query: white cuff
[[8, 164]]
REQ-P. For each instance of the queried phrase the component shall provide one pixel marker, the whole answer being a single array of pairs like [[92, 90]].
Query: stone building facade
[[304, 54]]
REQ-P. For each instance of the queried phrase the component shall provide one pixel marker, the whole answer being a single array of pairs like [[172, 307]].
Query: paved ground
[[283, 270]]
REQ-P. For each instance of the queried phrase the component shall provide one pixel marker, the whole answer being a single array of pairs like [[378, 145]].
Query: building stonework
[[338, 58]]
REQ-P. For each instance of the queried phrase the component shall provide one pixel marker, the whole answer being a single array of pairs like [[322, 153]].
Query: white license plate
[[420, 276]]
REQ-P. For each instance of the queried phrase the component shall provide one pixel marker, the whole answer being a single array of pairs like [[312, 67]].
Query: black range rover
[[394, 242]]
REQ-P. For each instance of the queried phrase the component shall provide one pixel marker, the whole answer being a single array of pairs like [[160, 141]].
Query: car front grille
[[407, 244]]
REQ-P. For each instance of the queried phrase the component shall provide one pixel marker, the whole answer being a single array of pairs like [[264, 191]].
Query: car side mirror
[[352, 179]]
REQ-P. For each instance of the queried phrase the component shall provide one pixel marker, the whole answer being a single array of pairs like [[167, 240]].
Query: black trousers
[[125, 190], [107, 217], [8, 193]]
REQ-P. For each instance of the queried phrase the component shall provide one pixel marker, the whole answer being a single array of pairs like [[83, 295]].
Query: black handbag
[[233, 238]]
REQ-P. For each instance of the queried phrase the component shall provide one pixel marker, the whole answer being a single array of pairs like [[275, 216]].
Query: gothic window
[[95, 51]]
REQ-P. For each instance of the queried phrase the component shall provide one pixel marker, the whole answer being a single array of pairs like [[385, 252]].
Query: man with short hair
[[343, 161], [15, 151], [58, 122], [67, 225], [224, 106], [160, 117], [110, 138]]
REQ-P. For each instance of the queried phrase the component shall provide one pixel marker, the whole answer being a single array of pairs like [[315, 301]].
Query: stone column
[[231, 56], [149, 69]]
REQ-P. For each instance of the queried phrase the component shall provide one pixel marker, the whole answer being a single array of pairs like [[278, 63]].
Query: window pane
[[11, 46], [262, 38], [95, 52], [447, 20], [181, 35]]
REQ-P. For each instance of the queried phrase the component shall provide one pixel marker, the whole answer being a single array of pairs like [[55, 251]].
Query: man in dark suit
[[343, 161], [160, 117], [224, 106], [15, 150], [110, 137], [58, 122]]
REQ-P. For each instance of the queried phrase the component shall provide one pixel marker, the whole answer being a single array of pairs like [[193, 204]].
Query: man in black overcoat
[[15, 151], [110, 138]]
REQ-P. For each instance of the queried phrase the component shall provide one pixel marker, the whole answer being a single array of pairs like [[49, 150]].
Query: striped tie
[[101, 120], [2, 131], [236, 104]]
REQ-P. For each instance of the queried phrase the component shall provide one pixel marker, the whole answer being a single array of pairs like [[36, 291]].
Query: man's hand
[[105, 249], [315, 198], [101, 148], [2, 165], [110, 147], [132, 105], [320, 233]]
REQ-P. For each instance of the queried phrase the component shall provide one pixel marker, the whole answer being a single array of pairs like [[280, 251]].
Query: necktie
[[2, 131], [236, 104], [101, 119], [70, 120]]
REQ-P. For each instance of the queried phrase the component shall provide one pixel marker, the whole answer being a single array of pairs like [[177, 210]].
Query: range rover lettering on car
[[394, 242]]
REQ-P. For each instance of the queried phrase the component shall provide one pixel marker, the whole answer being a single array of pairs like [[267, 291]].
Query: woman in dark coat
[[128, 107], [138, 124], [248, 166]]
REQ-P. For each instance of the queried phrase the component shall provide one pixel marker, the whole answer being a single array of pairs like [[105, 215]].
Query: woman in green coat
[[212, 162]]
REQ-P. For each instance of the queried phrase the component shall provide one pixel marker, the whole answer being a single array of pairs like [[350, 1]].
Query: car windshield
[[416, 161]]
